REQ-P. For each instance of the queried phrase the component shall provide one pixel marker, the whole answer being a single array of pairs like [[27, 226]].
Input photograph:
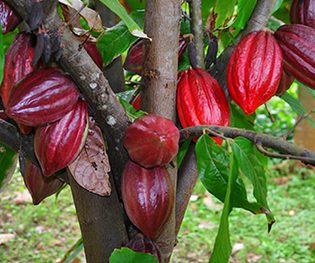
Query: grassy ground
[[44, 233]]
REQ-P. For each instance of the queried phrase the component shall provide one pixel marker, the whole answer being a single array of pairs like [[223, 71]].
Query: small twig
[[282, 156], [269, 113], [300, 119]]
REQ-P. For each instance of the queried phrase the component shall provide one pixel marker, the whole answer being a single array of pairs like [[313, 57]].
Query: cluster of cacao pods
[[147, 188], [48, 100]]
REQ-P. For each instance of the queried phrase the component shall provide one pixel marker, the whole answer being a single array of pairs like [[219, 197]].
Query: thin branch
[[285, 148], [196, 29]]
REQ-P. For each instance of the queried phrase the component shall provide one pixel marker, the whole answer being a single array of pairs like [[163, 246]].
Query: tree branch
[[196, 29], [288, 150], [162, 22]]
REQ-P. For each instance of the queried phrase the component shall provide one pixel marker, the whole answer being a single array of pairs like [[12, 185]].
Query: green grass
[[293, 205], [44, 233]]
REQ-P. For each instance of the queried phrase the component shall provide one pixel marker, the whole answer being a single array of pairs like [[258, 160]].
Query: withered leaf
[[90, 169]]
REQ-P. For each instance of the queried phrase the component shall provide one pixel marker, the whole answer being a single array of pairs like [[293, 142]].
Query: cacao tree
[[131, 138]]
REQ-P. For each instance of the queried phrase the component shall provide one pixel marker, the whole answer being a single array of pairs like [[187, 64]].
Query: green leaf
[[118, 39], [8, 161], [222, 246], [206, 5], [277, 5], [225, 11], [297, 107], [73, 252], [245, 9], [131, 111], [1, 55], [126, 255], [182, 152], [241, 120], [119, 10], [213, 170], [136, 4], [250, 164]]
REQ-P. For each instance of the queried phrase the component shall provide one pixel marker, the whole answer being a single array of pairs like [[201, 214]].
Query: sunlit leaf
[[222, 246], [214, 168], [127, 255], [119, 10]]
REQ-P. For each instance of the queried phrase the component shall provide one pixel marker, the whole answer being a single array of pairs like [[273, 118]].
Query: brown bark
[[162, 21]]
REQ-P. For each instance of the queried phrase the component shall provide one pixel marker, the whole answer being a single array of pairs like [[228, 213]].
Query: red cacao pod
[[42, 97], [303, 12], [94, 53], [18, 64], [152, 141], [201, 100], [142, 244], [285, 83], [148, 196], [58, 144], [133, 62], [8, 19], [298, 47], [38, 186], [254, 70]]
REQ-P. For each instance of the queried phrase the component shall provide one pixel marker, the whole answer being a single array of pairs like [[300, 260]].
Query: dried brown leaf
[[90, 169], [93, 18]]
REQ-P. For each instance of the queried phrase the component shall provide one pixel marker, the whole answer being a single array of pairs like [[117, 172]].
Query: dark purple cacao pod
[[94, 53], [42, 97], [133, 62], [254, 70], [201, 100], [8, 19], [152, 141], [285, 83], [148, 196], [303, 12], [18, 64], [298, 47], [38, 186], [58, 144], [142, 244]]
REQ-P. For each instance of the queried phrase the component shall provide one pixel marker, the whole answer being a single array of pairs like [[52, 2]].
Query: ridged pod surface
[[8, 19], [38, 186], [94, 53], [148, 196], [254, 70], [298, 47], [58, 144], [303, 12], [152, 141], [133, 62], [201, 100], [18, 64], [42, 97]]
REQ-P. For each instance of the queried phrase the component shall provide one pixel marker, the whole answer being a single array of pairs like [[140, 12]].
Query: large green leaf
[[244, 10], [222, 246], [250, 163], [296, 106], [126, 255], [119, 10], [213, 169], [206, 5], [225, 10], [8, 161], [118, 39]]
